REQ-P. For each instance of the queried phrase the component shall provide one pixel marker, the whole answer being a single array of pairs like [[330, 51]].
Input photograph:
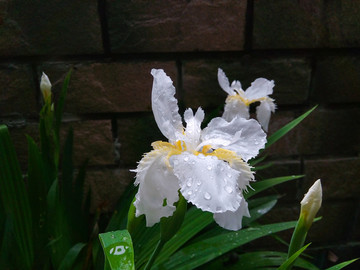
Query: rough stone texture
[[330, 132], [337, 79], [173, 26], [201, 87], [306, 24], [17, 90], [340, 177], [92, 140], [135, 136], [67, 27], [107, 87], [106, 187]]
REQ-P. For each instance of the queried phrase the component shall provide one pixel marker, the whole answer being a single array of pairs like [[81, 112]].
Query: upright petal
[[233, 220], [164, 106], [263, 112], [259, 88], [207, 182], [235, 107], [224, 82], [193, 127], [157, 184], [244, 137]]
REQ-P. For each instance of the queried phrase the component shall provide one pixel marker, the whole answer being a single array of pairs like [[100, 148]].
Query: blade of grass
[[287, 265], [285, 129], [15, 198], [71, 256], [268, 183], [208, 249], [342, 265]]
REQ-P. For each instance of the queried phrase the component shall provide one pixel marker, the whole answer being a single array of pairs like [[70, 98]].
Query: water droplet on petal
[[229, 175], [228, 189], [186, 159], [198, 182], [193, 162], [189, 192], [209, 167], [207, 196], [189, 182]]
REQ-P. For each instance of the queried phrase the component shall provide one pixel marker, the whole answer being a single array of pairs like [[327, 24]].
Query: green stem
[[298, 237], [154, 255]]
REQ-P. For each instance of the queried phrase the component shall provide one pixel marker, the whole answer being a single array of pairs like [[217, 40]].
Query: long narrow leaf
[[285, 129], [15, 198], [341, 265], [265, 184], [60, 104], [289, 262], [71, 256], [118, 250], [203, 251]]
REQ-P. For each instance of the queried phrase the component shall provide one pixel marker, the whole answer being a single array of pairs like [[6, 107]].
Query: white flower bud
[[45, 86], [311, 203]]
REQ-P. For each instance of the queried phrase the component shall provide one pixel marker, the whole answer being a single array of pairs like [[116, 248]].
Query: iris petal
[[233, 220], [259, 88], [158, 188], [165, 107], [207, 182], [245, 137]]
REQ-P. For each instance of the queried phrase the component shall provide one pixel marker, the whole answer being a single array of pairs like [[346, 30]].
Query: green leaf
[[208, 249], [38, 188], [60, 105], [194, 222], [259, 260], [342, 265], [285, 129], [71, 256], [15, 199], [265, 184], [118, 250], [289, 262]]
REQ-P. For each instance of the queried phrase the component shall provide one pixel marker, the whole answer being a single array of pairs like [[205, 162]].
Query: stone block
[[340, 177], [328, 132], [306, 24], [106, 187], [337, 79], [107, 87], [176, 26], [17, 90], [201, 87], [135, 136], [49, 28], [92, 140]]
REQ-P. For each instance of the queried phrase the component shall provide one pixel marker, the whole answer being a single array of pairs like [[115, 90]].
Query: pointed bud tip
[[311, 202], [45, 87]]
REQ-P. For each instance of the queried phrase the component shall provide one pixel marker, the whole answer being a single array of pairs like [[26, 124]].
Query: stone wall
[[311, 49]]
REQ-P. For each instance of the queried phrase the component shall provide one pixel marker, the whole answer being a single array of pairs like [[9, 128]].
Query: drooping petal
[[164, 106], [259, 88], [235, 107], [193, 127], [263, 112], [245, 137], [224, 82], [157, 183], [233, 220], [207, 182]]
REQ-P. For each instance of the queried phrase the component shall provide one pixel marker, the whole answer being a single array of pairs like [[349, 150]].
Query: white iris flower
[[208, 166], [238, 100]]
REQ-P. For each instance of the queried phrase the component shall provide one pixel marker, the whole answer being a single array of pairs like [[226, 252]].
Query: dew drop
[[193, 162], [228, 189], [198, 182], [189, 182], [256, 142], [209, 167], [229, 175], [207, 196], [186, 159], [189, 192]]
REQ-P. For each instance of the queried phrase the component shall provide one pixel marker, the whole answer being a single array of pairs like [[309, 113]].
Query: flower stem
[[298, 237], [155, 253]]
